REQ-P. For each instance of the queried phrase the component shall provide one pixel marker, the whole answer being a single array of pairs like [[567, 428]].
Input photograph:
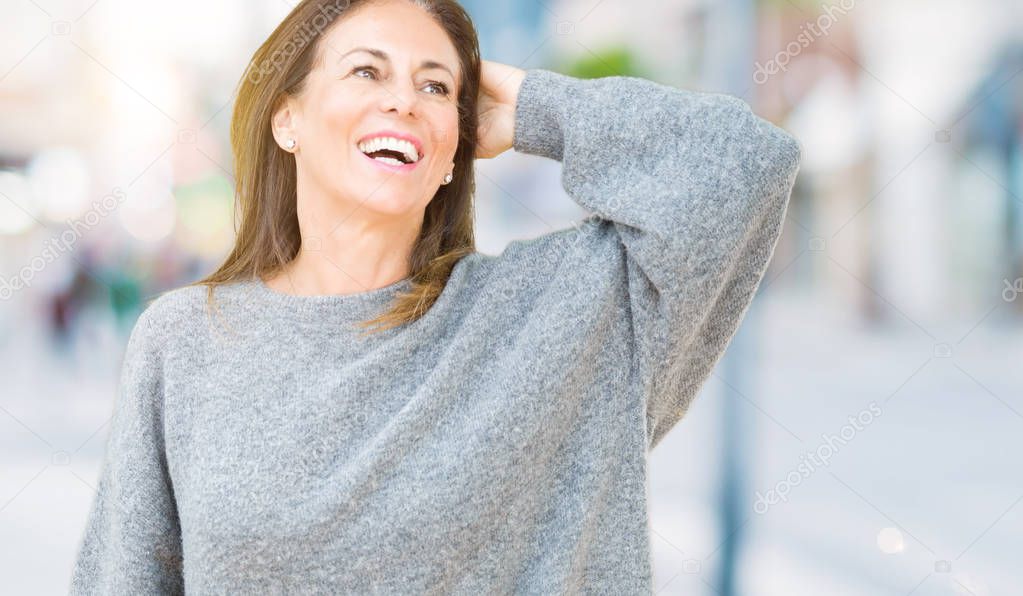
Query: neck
[[347, 250]]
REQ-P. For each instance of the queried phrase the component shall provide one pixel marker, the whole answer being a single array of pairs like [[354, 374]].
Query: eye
[[443, 88], [365, 68]]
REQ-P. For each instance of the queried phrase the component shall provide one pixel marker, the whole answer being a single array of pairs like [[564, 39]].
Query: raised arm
[[132, 538], [696, 187]]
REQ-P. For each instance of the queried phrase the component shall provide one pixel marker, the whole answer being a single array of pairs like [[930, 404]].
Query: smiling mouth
[[387, 160], [392, 150], [389, 156]]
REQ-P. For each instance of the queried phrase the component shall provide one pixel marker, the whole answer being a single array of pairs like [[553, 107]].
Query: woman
[[490, 434]]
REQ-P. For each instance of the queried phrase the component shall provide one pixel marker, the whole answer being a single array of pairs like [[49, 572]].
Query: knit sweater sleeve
[[132, 540], [695, 186]]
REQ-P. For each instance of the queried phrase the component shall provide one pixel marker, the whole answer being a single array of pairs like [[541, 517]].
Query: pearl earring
[[290, 144], [447, 178]]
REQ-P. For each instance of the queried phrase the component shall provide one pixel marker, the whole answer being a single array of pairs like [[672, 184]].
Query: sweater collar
[[346, 309]]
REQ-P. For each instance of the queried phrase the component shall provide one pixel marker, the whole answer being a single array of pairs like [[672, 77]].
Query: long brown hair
[[268, 237]]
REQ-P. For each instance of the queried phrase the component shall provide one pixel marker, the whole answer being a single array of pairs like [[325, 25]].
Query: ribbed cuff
[[539, 113]]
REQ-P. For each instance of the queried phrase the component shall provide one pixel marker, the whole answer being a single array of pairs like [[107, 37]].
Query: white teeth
[[390, 160], [393, 144]]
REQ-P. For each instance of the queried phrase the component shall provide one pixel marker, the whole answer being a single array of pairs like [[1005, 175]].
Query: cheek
[[335, 117], [445, 135]]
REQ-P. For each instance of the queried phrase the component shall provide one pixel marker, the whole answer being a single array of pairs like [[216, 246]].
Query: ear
[[283, 122]]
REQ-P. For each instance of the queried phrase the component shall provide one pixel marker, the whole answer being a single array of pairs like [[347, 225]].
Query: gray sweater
[[498, 444]]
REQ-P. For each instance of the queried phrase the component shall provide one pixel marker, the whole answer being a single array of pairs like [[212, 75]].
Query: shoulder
[[550, 248], [172, 313], [541, 259]]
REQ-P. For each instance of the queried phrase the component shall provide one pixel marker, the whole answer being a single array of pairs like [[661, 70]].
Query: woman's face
[[408, 89]]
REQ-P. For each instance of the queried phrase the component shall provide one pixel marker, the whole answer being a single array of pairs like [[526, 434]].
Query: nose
[[400, 98]]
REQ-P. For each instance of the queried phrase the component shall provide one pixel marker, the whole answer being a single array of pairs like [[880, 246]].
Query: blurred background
[[863, 433]]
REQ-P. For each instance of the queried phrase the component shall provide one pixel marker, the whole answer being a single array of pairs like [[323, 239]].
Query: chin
[[385, 201]]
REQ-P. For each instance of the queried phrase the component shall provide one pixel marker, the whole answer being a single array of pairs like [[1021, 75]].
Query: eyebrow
[[426, 64]]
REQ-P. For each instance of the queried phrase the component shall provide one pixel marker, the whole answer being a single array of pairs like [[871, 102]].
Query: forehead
[[405, 32]]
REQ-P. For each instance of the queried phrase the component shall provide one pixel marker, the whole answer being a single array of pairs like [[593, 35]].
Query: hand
[[499, 88]]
